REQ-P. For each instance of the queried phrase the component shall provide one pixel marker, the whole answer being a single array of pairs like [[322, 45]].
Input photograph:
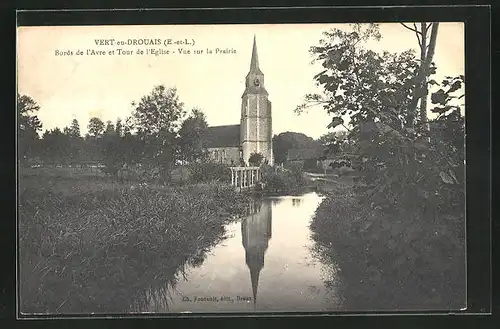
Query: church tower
[[256, 119], [256, 231]]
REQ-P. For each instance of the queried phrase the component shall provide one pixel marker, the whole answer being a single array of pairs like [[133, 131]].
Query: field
[[90, 243]]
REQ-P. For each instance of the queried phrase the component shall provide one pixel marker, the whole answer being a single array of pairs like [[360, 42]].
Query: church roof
[[222, 136], [254, 62], [250, 88]]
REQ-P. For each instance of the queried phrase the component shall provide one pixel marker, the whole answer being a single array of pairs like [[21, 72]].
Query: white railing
[[245, 177]]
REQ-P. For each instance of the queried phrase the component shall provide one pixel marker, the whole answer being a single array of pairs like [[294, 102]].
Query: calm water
[[266, 264]]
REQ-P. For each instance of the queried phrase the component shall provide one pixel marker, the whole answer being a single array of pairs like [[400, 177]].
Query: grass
[[97, 245], [387, 261]]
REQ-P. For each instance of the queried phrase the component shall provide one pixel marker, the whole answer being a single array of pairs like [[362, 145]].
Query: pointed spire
[[254, 277], [254, 63]]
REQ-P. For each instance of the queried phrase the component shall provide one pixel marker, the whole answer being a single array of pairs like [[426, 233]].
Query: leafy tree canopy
[[377, 92], [191, 135], [157, 119], [159, 111], [290, 140], [29, 126], [95, 127]]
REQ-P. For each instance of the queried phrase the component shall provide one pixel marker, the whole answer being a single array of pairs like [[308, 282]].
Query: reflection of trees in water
[[157, 296], [331, 271], [158, 293], [199, 258]]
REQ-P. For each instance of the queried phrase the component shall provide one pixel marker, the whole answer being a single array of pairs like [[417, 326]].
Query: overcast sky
[[81, 87]]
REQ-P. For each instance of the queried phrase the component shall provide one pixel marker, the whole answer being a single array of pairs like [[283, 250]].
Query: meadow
[[93, 244]]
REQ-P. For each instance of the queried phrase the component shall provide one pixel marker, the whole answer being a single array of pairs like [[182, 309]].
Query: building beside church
[[234, 144]]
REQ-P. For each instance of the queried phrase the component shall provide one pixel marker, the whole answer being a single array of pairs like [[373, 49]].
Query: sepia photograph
[[245, 168]]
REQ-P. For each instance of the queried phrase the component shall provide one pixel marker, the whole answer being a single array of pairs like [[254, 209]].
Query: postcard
[[245, 168]]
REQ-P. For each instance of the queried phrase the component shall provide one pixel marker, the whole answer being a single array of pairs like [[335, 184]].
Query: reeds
[[104, 249]]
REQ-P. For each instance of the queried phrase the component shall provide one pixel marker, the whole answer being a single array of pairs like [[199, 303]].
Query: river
[[267, 263]]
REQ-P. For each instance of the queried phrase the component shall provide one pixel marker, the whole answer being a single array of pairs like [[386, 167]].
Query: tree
[[359, 82], [399, 166], [74, 130], [405, 178], [71, 143], [131, 144], [94, 141], [29, 126], [119, 127], [77, 143], [110, 128], [131, 147], [55, 146], [157, 118], [427, 47], [290, 140], [191, 136], [335, 142], [159, 111], [112, 151], [255, 159], [95, 127]]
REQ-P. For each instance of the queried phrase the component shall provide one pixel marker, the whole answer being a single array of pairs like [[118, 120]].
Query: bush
[[255, 159], [283, 181], [311, 165], [344, 171], [209, 171], [410, 260]]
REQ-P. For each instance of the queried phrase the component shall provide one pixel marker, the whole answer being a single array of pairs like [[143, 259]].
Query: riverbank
[[96, 245], [390, 261]]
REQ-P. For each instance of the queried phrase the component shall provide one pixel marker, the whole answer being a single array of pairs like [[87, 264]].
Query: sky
[[84, 86]]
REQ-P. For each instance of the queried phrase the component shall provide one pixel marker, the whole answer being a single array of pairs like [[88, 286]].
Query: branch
[[409, 28], [314, 103], [427, 27], [417, 33], [419, 41], [346, 127], [308, 104]]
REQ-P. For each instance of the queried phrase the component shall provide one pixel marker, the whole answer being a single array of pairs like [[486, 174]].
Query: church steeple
[[254, 62], [255, 235], [254, 82], [256, 118], [254, 277]]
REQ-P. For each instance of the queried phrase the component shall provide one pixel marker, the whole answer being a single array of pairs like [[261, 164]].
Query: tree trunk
[[423, 55], [420, 91], [428, 58]]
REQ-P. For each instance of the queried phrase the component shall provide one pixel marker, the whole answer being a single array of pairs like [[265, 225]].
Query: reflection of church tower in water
[[256, 232]]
